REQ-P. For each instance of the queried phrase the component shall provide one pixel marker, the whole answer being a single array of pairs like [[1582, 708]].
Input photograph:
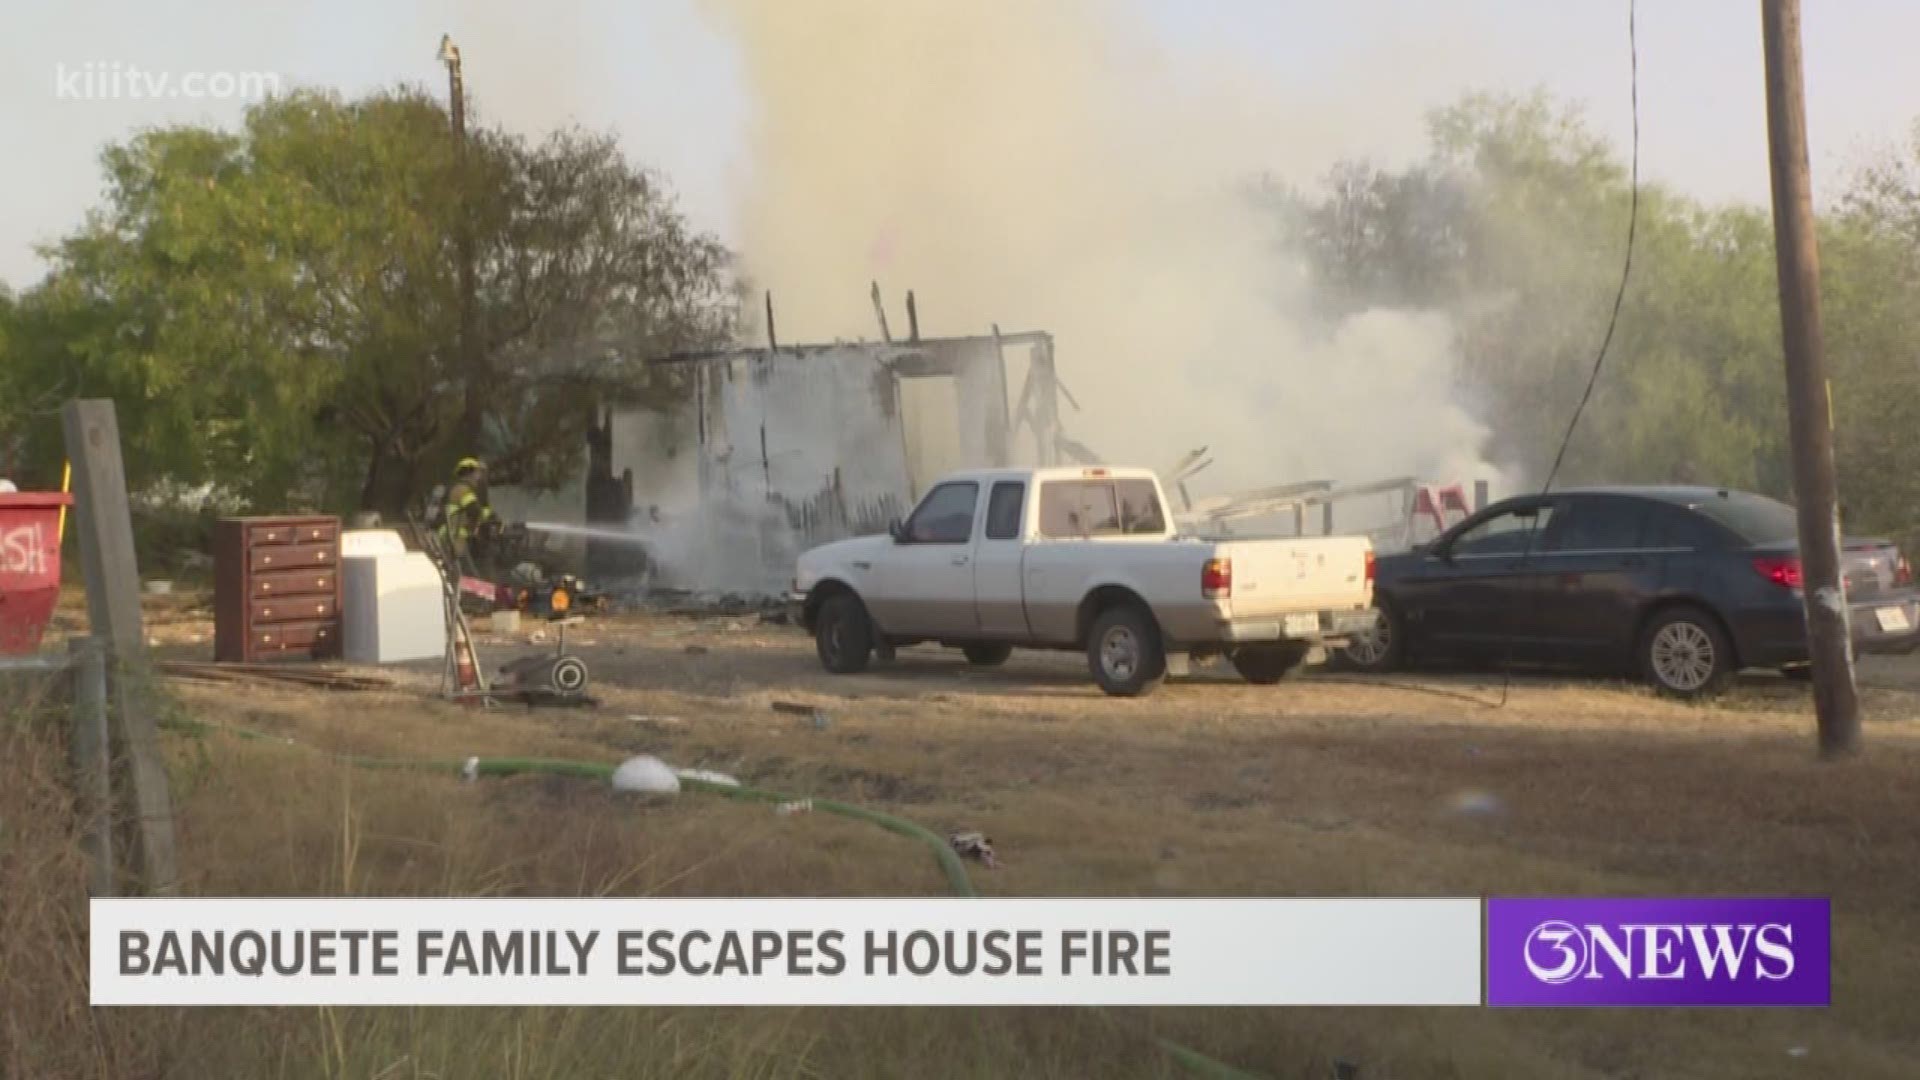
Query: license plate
[[1893, 618], [1303, 624]]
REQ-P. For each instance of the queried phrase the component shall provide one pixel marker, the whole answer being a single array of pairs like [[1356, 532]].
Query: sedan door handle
[[959, 560]]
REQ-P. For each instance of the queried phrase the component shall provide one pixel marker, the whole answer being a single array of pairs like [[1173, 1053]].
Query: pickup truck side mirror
[[897, 530]]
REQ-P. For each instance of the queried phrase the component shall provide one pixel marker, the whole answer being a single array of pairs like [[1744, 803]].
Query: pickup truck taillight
[[1902, 570], [1782, 572], [1216, 579], [1369, 567]]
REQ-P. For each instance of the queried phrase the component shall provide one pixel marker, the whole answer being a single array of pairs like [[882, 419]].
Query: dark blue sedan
[[1682, 585]]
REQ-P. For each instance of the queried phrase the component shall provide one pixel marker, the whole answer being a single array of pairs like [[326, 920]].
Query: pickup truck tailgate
[[1314, 573]]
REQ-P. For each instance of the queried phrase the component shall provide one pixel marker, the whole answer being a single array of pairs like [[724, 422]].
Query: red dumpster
[[29, 566]]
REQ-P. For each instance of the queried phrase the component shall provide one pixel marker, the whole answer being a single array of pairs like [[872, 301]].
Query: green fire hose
[[950, 865]]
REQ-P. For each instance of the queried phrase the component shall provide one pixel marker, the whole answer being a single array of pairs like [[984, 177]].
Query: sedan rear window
[[1755, 519]]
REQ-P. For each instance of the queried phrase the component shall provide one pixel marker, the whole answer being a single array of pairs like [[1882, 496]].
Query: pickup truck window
[[945, 516], [1140, 507], [1071, 509], [1003, 510]]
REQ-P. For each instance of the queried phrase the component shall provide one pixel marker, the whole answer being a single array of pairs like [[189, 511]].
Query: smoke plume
[[1037, 166]]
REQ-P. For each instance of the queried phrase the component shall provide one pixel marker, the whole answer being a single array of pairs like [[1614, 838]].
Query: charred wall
[[785, 450]]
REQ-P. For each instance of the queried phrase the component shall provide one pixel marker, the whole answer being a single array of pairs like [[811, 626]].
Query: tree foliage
[[277, 309], [1515, 225]]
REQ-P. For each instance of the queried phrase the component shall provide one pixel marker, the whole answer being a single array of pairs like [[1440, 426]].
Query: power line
[[1613, 318], [1626, 266]]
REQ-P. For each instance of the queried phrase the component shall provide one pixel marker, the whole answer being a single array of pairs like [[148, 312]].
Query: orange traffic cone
[[463, 664]]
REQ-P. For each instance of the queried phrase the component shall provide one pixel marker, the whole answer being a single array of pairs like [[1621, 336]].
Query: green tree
[[276, 309]]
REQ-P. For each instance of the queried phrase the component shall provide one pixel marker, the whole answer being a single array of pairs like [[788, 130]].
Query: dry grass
[[1212, 788]]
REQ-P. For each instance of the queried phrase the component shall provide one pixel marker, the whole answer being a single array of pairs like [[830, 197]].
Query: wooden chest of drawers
[[276, 588]]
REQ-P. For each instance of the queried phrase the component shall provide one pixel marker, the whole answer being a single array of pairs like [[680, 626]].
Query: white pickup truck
[[1072, 558]]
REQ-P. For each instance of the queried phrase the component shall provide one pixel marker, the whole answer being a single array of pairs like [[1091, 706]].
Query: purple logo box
[[1573, 951]]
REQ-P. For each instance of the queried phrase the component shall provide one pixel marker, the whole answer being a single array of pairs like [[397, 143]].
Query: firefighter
[[465, 515]]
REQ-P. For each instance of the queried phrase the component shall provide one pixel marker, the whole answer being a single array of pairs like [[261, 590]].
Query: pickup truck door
[[923, 585], [998, 595]]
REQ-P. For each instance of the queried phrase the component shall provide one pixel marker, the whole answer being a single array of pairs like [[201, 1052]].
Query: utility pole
[[464, 347], [1836, 702]]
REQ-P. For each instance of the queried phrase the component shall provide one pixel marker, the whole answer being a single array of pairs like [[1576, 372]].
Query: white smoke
[[1036, 166]]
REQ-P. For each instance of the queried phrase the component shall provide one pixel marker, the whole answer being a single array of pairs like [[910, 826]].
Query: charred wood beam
[[880, 312]]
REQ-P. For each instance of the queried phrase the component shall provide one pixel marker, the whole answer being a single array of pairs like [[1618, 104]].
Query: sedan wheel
[[1378, 648], [1685, 654]]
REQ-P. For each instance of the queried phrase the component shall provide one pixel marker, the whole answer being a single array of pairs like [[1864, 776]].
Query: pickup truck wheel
[[987, 654], [843, 635], [1125, 652], [1264, 665]]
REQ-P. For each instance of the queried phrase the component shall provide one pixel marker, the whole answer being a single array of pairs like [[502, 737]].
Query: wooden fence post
[[105, 524], [93, 761]]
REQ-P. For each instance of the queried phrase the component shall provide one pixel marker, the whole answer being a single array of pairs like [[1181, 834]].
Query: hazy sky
[[665, 77]]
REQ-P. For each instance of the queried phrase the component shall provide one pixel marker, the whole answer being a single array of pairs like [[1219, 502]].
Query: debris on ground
[[325, 678], [818, 716], [798, 806], [712, 605], [667, 721], [645, 773], [974, 845], [709, 776]]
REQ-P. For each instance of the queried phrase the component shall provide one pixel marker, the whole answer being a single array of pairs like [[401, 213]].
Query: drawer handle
[[320, 582], [267, 561], [266, 586], [266, 613], [321, 608]]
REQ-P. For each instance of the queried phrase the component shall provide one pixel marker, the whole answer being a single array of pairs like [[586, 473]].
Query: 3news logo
[[1706, 951]]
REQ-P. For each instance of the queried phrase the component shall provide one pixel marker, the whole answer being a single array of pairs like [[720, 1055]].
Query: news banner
[[1539, 952]]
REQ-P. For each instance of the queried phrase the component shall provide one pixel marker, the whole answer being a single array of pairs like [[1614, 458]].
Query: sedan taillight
[[1782, 572], [1216, 579], [1902, 570], [1370, 561]]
